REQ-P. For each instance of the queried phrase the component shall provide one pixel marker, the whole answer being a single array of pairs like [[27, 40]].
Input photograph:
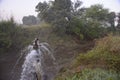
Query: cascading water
[[39, 64]]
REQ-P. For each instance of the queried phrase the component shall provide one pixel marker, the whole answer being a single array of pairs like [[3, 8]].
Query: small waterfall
[[39, 63], [23, 53]]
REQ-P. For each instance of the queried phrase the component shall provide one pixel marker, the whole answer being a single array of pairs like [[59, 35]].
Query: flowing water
[[23, 53], [39, 64]]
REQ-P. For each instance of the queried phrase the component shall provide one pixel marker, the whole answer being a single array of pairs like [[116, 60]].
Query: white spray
[[39, 63]]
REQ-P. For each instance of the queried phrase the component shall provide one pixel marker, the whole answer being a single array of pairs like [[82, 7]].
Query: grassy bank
[[91, 74], [100, 63], [106, 54]]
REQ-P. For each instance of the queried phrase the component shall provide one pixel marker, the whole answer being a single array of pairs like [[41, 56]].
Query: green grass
[[100, 63], [92, 74], [105, 54]]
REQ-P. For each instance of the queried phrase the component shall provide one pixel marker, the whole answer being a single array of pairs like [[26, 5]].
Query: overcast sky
[[20, 8]]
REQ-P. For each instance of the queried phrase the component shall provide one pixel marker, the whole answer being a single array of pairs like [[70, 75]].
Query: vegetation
[[85, 23], [15, 37], [105, 54], [12, 36], [100, 63], [92, 74], [30, 20], [87, 30], [63, 21]]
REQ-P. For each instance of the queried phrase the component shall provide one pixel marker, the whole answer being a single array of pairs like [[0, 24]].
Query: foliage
[[42, 9], [12, 36], [97, 12], [87, 29], [5, 35], [105, 54], [58, 13], [51, 11], [70, 18], [92, 74], [111, 17], [29, 20], [90, 23], [118, 26], [15, 37]]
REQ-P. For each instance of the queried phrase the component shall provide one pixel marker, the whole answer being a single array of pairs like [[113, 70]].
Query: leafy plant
[[92, 74], [12, 36], [105, 54]]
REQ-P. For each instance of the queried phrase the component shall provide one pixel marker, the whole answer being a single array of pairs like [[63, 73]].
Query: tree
[[56, 13], [62, 5], [111, 17], [29, 20], [97, 12], [59, 13], [52, 10], [90, 23], [118, 21], [76, 7], [71, 18], [42, 8]]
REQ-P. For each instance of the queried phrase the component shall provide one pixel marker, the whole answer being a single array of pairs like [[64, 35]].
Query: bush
[[7, 29], [87, 29], [12, 36], [92, 74], [105, 54]]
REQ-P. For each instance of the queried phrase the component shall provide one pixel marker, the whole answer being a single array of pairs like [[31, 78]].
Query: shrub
[[105, 54], [12, 36], [87, 29], [7, 29], [92, 74]]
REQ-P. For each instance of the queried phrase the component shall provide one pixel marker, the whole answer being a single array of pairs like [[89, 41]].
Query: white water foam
[[39, 64]]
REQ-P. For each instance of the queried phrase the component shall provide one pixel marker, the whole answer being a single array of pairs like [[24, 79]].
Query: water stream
[[39, 63]]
